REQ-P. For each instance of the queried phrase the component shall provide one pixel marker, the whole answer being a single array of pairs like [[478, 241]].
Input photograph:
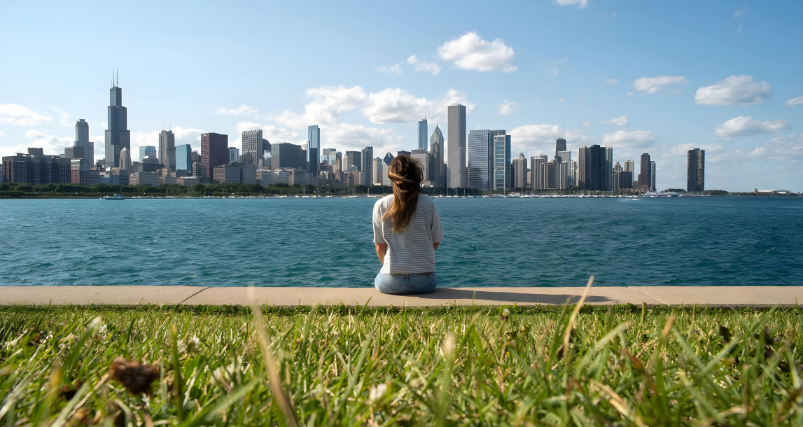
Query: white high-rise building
[[253, 148], [456, 147], [125, 159]]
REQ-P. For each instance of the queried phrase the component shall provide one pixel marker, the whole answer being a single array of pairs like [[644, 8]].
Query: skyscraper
[[536, 172], [480, 159], [436, 149], [117, 135], [253, 148], [377, 171], [214, 151], [183, 159], [652, 175], [385, 168], [286, 155], [426, 162], [234, 155], [125, 159], [314, 150], [595, 168], [145, 151], [503, 173], [520, 172], [367, 157], [695, 170], [82, 140], [644, 173], [352, 159], [167, 149], [560, 145], [456, 147], [629, 167], [423, 131]]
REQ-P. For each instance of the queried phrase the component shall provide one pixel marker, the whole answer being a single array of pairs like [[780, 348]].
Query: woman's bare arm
[[435, 245], [381, 250]]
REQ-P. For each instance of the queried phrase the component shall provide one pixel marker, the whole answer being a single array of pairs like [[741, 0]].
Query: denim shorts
[[402, 284]]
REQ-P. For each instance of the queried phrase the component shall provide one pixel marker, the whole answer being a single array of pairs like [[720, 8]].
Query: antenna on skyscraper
[[118, 78]]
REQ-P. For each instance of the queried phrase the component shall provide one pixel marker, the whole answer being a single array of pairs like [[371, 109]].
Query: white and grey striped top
[[411, 250]]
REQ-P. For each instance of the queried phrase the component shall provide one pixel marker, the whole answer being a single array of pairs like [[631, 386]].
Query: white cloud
[[740, 29], [586, 124], [394, 105], [611, 81], [657, 84], [35, 138], [630, 93], [531, 139], [787, 148], [429, 67], [13, 114], [623, 138], [553, 71], [561, 100], [471, 52], [739, 13], [744, 126], [582, 99], [617, 121], [392, 69], [508, 107], [735, 90], [64, 117], [581, 4], [242, 110], [2, 134], [324, 110], [794, 101]]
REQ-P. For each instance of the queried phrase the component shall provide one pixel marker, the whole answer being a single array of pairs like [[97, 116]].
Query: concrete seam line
[[202, 289], [655, 298]]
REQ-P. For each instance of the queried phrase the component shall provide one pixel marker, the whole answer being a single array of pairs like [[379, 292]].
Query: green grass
[[623, 365]]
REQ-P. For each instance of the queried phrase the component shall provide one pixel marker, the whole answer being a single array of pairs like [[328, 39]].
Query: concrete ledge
[[86, 295], [731, 296]]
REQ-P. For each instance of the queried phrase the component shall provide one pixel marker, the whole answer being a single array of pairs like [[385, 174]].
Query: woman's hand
[[381, 250]]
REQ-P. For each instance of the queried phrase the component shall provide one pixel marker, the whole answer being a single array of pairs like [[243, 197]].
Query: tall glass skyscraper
[[560, 145], [652, 175], [183, 157], [314, 149], [367, 169], [503, 173], [117, 135], [480, 159], [423, 131], [595, 168]]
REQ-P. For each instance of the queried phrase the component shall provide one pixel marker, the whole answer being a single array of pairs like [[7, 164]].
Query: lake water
[[328, 242]]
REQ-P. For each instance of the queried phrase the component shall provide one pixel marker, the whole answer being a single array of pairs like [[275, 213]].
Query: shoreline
[[713, 296]]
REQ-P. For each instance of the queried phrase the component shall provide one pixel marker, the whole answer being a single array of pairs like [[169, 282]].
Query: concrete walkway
[[731, 296]]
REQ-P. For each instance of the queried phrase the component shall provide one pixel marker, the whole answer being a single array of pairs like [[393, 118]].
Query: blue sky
[[663, 76]]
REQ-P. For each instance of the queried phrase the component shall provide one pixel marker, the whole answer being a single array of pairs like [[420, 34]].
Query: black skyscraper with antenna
[[117, 135]]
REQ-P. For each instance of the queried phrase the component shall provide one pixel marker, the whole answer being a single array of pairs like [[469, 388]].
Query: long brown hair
[[406, 174]]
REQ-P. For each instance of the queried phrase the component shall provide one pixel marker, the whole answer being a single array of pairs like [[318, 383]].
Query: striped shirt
[[411, 250]]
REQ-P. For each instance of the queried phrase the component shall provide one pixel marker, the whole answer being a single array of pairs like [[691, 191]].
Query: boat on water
[[115, 197]]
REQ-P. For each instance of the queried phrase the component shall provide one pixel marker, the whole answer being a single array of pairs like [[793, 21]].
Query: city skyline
[[624, 87]]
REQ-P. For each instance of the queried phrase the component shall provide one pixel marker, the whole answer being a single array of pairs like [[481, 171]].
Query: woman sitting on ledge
[[407, 230]]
